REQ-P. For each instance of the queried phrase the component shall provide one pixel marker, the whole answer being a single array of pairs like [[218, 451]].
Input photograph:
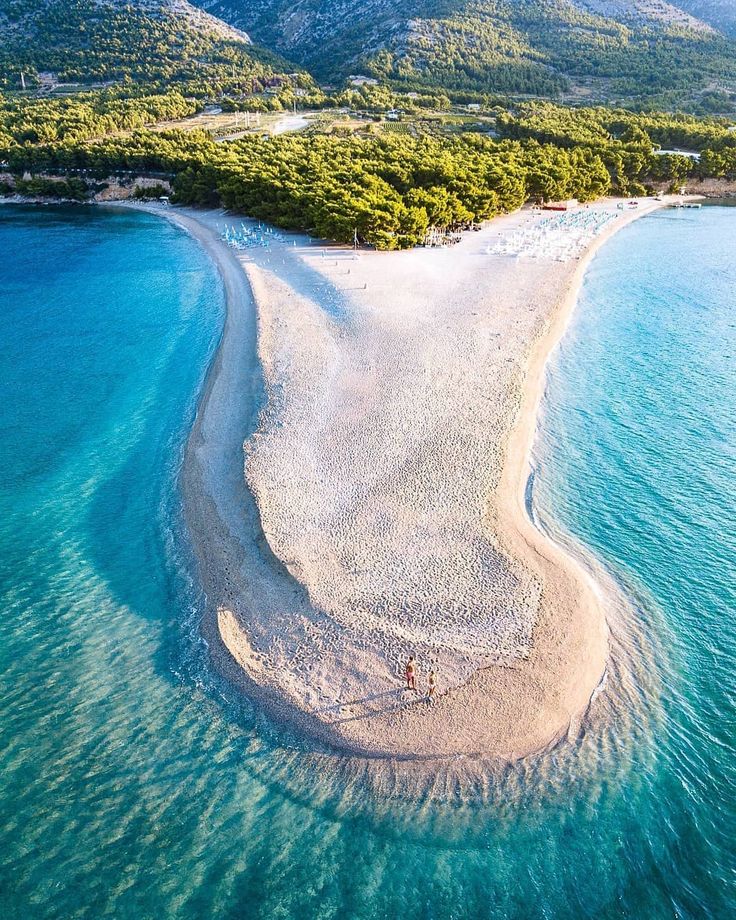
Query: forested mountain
[[589, 49], [148, 41], [627, 51]]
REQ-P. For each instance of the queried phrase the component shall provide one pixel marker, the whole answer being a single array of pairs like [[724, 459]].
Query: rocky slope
[[721, 14]]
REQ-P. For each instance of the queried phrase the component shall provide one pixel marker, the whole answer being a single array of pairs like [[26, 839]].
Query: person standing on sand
[[411, 674], [431, 687]]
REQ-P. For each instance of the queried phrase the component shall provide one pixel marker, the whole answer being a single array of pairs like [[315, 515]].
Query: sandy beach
[[355, 483]]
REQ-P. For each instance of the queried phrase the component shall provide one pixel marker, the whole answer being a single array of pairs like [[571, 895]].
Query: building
[[361, 80]]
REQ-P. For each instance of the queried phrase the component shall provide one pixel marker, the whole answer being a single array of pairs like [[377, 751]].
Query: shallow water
[[136, 784]]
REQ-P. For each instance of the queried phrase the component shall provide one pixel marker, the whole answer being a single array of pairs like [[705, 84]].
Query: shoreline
[[518, 469], [582, 645]]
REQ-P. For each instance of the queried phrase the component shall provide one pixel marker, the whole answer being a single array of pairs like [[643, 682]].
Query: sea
[[136, 783]]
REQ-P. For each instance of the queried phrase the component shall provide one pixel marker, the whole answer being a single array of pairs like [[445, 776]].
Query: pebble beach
[[354, 488]]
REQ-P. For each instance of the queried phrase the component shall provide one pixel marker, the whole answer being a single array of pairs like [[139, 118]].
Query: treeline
[[569, 126], [86, 115], [627, 142], [390, 189], [369, 98], [72, 189]]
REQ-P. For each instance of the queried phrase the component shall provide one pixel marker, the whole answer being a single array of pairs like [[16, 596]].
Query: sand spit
[[354, 486]]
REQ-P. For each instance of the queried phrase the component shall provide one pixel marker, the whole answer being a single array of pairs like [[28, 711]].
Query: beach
[[355, 482]]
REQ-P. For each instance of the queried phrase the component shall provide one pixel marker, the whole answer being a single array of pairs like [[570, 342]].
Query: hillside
[[99, 41], [620, 50], [721, 14]]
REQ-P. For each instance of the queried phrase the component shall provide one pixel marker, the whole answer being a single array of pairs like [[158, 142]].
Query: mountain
[[644, 12], [721, 14], [624, 51], [97, 41], [584, 49]]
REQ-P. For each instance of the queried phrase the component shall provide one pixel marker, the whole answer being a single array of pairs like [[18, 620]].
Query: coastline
[[504, 711]]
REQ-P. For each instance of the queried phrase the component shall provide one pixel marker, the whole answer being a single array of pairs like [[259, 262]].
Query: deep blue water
[[135, 784]]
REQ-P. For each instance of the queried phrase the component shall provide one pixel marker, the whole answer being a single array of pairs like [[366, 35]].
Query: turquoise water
[[134, 783]]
